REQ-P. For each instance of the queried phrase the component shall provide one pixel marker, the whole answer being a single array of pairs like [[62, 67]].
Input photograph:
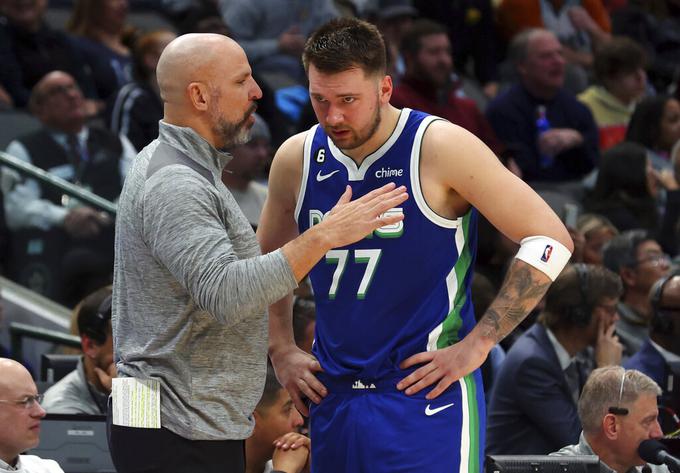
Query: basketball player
[[394, 314]]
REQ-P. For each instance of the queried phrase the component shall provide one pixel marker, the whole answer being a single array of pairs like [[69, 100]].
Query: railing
[[68, 188], [17, 332]]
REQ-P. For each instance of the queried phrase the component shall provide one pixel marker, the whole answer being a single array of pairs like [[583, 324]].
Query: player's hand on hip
[[295, 370], [443, 367], [351, 220]]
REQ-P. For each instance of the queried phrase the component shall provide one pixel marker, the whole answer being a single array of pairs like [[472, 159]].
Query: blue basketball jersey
[[401, 290]]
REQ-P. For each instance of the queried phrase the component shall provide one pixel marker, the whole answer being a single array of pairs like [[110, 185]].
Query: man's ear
[[199, 95], [610, 427], [386, 89], [628, 276], [89, 346]]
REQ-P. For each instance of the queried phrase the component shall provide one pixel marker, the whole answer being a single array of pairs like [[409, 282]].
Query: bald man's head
[[56, 100], [206, 84], [18, 410], [11, 372], [190, 58]]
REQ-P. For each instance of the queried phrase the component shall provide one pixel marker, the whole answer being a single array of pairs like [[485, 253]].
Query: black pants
[[136, 450]]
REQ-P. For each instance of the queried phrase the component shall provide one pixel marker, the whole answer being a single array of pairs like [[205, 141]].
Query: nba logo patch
[[546, 253]]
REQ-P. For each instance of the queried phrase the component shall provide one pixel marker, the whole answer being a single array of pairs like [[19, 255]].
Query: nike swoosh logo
[[322, 177], [431, 412]]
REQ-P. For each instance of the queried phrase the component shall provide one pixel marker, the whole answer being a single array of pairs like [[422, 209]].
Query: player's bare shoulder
[[453, 153], [290, 153]]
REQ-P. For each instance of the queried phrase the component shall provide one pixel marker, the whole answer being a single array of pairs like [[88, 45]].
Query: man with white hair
[[618, 411], [20, 414]]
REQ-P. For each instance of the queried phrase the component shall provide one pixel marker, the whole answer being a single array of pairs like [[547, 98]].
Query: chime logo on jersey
[[546, 253], [388, 172], [394, 230]]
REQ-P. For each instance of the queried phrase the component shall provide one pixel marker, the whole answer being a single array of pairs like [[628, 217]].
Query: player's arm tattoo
[[519, 294]]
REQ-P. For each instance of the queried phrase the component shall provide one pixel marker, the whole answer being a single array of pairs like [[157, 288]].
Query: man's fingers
[[418, 358], [377, 193], [431, 378], [610, 331], [297, 401], [315, 366], [416, 376], [441, 386], [311, 388], [346, 196]]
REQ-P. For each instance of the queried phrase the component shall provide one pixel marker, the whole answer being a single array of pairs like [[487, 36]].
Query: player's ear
[[385, 90]]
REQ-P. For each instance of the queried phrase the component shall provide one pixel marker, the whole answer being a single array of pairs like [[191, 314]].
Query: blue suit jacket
[[650, 362], [531, 409]]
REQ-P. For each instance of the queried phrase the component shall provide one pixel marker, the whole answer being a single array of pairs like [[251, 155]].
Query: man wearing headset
[[85, 390], [618, 411], [659, 356], [533, 402]]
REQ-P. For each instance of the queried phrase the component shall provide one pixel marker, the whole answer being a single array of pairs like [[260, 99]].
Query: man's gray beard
[[232, 134]]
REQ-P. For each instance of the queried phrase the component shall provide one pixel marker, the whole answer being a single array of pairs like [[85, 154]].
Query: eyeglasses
[[655, 260], [62, 89], [618, 410], [609, 309], [28, 402]]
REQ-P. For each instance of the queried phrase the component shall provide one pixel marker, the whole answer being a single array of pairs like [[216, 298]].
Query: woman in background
[[100, 31]]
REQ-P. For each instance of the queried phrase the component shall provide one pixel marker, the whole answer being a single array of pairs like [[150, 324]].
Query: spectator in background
[[102, 37], [597, 231], [662, 349], [670, 229], [137, 107], [304, 322], [580, 25], [273, 34], [655, 124], [428, 86], [618, 411], [567, 148], [276, 424], [79, 237], [243, 171], [472, 33], [620, 72], [86, 389], [20, 414], [639, 260], [30, 48], [533, 403], [626, 189], [394, 18], [655, 25]]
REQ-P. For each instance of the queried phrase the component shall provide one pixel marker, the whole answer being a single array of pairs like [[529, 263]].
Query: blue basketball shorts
[[368, 426]]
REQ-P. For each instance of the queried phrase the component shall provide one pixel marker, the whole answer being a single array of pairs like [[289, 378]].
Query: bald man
[[20, 414], [92, 157], [191, 287]]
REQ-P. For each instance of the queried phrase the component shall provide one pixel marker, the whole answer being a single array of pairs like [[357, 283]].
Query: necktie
[[572, 377], [74, 149]]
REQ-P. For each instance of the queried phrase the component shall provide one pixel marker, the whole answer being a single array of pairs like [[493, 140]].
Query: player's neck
[[388, 122]]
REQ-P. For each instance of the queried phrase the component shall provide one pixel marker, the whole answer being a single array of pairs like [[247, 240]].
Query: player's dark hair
[[346, 43]]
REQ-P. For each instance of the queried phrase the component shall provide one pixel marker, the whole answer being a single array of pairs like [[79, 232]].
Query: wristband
[[547, 255]]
